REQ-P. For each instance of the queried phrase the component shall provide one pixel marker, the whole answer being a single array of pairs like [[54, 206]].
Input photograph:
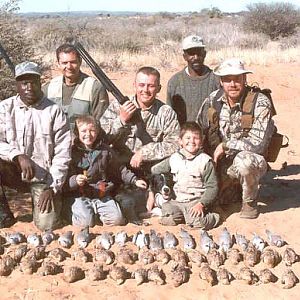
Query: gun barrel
[[101, 76]]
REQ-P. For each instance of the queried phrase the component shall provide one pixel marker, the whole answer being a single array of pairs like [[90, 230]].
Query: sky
[[138, 5]]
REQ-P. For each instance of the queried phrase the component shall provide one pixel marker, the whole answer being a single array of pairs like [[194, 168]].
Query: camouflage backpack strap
[[247, 110], [213, 114]]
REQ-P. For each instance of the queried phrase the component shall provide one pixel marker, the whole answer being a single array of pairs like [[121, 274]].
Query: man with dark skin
[[35, 143], [188, 88]]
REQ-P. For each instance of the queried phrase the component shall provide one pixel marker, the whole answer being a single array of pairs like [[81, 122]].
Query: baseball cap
[[192, 41], [232, 66], [27, 67]]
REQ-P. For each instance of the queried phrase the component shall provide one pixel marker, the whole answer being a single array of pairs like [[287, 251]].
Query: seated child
[[93, 173], [195, 183]]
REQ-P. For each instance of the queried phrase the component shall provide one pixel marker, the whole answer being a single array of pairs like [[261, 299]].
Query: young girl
[[93, 175]]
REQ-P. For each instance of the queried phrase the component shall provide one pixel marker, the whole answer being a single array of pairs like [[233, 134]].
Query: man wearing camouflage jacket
[[142, 144], [238, 155], [35, 142]]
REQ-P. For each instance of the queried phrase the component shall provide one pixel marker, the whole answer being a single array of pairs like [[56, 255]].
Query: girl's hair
[[87, 119], [190, 126]]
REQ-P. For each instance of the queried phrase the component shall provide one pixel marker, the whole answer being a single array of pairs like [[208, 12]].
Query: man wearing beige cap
[[238, 149], [35, 142], [188, 88]]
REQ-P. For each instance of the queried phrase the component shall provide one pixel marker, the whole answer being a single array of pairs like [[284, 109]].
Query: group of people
[[87, 160]]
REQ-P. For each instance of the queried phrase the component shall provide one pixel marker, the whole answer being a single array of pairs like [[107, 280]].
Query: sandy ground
[[279, 213]]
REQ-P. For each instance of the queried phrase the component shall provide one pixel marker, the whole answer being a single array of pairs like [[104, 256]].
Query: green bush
[[276, 20]]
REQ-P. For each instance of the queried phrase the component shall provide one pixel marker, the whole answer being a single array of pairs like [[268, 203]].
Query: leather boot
[[7, 218], [249, 210]]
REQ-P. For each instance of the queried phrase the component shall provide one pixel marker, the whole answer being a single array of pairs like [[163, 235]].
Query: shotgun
[[141, 131], [7, 59]]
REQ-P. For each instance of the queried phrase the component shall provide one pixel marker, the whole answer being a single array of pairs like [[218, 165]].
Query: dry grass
[[126, 43]]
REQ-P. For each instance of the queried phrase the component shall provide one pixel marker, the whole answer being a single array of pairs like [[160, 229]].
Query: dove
[[83, 238], [206, 243], [225, 240], [34, 240], [140, 239], [241, 241], [275, 239], [105, 240], [121, 238], [258, 242], [187, 239], [66, 239], [15, 238], [48, 236], [169, 240], [156, 242]]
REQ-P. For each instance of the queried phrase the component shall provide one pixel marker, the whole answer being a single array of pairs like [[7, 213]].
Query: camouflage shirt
[[230, 128], [157, 139]]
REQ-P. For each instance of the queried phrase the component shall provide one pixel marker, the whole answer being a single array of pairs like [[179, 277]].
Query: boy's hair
[[86, 119], [67, 48], [149, 71], [190, 126]]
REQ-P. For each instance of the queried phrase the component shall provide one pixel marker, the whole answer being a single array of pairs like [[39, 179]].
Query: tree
[[14, 41], [276, 20]]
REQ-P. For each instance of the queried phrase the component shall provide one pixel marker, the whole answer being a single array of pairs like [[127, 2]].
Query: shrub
[[275, 20], [13, 40]]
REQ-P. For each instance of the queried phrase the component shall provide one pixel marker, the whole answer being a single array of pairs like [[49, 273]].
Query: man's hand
[[136, 159], [141, 184], [219, 152], [81, 179], [126, 111], [46, 199], [197, 210], [26, 165]]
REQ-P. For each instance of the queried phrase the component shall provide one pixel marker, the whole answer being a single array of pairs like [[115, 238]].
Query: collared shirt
[[41, 132], [158, 137], [230, 127]]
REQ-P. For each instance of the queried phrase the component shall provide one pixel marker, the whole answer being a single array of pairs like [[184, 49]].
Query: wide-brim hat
[[232, 66], [27, 67]]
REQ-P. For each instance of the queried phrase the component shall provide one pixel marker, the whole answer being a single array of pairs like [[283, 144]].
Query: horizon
[[155, 6]]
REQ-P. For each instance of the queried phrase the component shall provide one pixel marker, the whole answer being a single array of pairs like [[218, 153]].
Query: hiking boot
[[7, 218], [249, 210]]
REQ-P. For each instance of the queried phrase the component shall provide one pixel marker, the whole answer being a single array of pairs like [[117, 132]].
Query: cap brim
[[231, 72], [28, 73]]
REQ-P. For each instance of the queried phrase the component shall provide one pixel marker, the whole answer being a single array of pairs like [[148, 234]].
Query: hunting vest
[[188, 176], [81, 98]]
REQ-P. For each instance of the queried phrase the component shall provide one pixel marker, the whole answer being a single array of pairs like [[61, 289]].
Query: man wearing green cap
[[238, 149], [35, 142]]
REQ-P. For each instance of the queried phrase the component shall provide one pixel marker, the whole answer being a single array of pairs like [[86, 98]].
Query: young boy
[[195, 183], [93, 174]]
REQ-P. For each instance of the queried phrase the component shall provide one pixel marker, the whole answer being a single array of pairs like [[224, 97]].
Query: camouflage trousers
[[240, 177], [11, 177]]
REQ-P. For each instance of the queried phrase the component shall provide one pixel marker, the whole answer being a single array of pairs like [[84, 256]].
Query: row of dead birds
[[213, 256], [153, 240]]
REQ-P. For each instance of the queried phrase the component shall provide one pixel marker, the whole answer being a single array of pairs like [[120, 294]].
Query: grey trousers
[[174, 213], [84, 210]]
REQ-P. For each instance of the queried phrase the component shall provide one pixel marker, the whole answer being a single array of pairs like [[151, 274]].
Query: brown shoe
[[249, 210]]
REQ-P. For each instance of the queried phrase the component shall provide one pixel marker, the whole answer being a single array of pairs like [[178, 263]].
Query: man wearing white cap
[[35, 142], [238, 149], [188, 88]]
